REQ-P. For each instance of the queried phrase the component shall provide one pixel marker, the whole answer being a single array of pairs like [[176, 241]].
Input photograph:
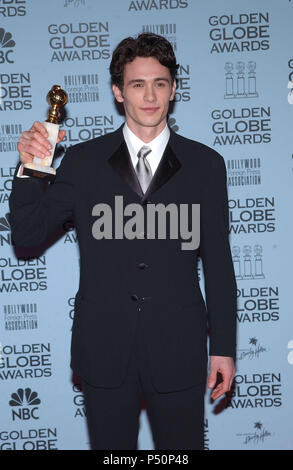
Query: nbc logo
[[4, 223], [172, 123], [6, 44], [5, 233], [21, 401]]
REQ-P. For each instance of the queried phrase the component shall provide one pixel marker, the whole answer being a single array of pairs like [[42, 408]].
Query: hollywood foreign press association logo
[[74, 3], [6, 45], [24, 403], [240, 83]]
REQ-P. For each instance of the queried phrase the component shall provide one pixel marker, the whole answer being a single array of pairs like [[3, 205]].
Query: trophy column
[[41, 167]]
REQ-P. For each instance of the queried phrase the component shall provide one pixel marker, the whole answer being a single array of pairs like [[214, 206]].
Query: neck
[[146, 134]]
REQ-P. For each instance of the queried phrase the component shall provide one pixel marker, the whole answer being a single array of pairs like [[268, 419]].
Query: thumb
[[61, 135], [212, 378]]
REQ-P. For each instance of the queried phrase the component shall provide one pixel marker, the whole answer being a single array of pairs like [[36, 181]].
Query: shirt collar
[[158, 145]]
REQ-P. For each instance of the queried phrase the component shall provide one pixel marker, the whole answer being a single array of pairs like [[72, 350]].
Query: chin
[[152, 122]]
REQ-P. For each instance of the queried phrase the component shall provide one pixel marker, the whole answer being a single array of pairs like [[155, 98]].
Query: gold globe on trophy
[[41, 167]]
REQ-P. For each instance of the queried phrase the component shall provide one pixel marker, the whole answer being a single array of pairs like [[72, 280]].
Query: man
[[140, 325]]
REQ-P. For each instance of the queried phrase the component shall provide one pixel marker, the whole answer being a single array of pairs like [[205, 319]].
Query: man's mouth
[[150, 110]]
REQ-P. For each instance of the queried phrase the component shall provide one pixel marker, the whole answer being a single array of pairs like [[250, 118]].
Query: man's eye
[[137, 85], [161, 84]]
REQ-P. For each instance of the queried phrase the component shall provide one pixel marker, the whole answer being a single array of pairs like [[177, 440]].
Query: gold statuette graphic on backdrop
[[41, 167]]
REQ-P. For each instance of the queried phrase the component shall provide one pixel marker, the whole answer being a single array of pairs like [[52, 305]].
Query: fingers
[[61, 135], [25, 157], [38, 127], [226, 368], [33, 143], [222, 388]]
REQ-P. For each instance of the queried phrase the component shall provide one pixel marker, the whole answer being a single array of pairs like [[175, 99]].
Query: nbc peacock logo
[[24, 404], [6, 47], [5, 230]]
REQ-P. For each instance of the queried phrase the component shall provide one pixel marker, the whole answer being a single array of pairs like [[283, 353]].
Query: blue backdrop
[[235, 64]]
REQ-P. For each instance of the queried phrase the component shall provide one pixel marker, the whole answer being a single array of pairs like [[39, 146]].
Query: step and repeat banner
[[234, 95]]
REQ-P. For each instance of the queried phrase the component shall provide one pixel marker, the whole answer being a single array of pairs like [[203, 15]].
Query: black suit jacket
[[121, 279]]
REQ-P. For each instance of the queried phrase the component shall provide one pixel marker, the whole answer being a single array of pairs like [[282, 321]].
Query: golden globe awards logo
[[25, 361], [6, 177], [258, 304], [249, 125], [153, 5], [241, 32], [23, 275], [29, 439], [183, 89], [70, 233], [252, 215], [6, 47], [15, 91], [78, 401], [83, 128], [257, 390], [79, 42], [11, 8]]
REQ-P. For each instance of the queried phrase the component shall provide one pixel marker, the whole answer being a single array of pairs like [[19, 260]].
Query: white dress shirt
[[134, 144], [157, 145]]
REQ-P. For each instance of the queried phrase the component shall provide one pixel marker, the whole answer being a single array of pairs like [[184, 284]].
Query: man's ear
[[173, 91], [117, 93]]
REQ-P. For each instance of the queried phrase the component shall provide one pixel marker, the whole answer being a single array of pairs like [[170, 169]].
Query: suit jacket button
[[142, 265], [134, 297]]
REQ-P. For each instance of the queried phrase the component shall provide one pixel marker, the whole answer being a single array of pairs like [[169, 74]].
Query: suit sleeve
[[38, 208], [220, 283]]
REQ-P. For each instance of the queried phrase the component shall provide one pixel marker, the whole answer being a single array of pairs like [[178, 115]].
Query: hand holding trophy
[[41, 167]]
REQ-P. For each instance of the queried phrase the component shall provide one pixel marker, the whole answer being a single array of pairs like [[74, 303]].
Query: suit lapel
[[121, 162], [168, 166]]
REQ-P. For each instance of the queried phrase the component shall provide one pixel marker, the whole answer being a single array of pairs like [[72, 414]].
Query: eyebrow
[[140, 80]]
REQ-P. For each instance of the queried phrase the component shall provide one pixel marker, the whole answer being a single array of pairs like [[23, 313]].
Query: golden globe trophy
[[41, 167]]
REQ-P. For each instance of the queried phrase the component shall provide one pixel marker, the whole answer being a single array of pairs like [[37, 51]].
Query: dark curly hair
[[145, 45]]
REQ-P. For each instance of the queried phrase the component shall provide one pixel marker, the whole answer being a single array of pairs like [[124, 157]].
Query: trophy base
[[39, 171]]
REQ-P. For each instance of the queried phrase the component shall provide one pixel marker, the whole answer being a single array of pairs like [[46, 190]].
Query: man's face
[[146, 94]]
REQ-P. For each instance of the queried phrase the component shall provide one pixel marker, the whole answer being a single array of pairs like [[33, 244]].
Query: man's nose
[[150, 94]]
